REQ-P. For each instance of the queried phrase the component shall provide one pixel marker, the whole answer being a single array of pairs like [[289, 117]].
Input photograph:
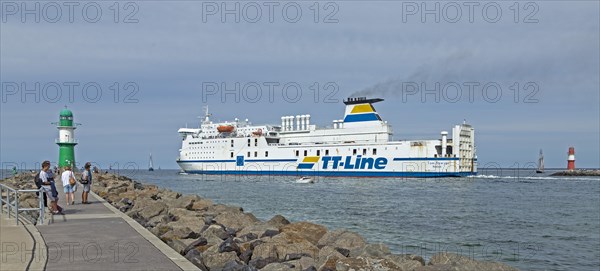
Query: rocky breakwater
[[221, 237], [578, 173]]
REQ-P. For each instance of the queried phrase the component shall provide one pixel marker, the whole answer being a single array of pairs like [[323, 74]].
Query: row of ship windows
[[232, 141], [297, 152], [249, 154], [354, 152], [210, 153]]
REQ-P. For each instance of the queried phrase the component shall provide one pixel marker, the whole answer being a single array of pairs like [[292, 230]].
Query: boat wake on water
[[531, 177]]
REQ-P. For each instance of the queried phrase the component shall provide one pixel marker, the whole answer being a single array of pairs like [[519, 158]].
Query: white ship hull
[[358, 146]]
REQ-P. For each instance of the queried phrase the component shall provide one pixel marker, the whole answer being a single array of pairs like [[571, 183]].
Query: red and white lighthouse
[[571, 159]]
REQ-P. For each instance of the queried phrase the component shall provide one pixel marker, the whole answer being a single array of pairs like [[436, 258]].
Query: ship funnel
[[444, 142], [360, 112]]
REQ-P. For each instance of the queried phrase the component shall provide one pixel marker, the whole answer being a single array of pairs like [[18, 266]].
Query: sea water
[[527, 220]]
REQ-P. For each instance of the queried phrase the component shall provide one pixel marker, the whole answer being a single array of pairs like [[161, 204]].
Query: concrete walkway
[[18, 249], [97, 236]]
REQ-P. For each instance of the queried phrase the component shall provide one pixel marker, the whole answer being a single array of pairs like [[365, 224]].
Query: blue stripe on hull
[[233, 161], [426, 159], [334, 173], [294, 160]]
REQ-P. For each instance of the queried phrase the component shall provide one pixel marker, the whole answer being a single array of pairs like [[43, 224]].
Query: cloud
[[171, 52]]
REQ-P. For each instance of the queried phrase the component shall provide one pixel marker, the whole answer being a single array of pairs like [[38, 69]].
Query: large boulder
[[152, 209], [118, 187], [217, 261], [215, 230], [167, 194], [378, 250], [278, 221], [179, 233], [281, 267], [179, 212], [161, 219], [348, 264], [195, 257], [217, 209], [201, 241], [451, 261], [306, 263], [180, 245], [192, 222], [228, 246], [342, 238], [236, 220], [328, 256], [148, 193], [201, 204], [260, 262], [259, 230], [309, 231], [183, 202], [160, 229], [283, 245], [406, 261], [238, 266]]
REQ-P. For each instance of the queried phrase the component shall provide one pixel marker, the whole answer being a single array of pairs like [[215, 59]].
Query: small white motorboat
[[305, 179]]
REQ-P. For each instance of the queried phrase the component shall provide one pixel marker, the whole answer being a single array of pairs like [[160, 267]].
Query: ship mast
[[206, 115]]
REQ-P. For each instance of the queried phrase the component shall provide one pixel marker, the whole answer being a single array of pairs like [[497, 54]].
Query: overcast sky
[[544, 58]]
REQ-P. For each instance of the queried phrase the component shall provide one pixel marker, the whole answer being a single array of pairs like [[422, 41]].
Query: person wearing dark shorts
[[86, 181]]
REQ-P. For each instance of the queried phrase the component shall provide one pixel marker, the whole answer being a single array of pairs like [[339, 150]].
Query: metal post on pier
[[17, 208], [41, 206], [8, 202]]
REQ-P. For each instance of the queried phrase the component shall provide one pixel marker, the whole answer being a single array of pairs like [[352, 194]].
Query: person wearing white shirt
[[67, 178], [46, 181]]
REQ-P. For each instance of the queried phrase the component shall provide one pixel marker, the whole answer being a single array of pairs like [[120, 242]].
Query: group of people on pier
[[45, 180]]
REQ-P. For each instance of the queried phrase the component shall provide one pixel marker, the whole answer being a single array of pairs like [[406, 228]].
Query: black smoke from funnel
[[444, 70]]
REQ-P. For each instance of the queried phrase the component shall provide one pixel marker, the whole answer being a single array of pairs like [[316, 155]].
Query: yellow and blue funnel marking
[[362, 108], [308, 162], [362, 112]]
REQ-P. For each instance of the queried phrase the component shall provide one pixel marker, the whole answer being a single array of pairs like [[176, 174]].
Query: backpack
[[85, 174], [37, 180]]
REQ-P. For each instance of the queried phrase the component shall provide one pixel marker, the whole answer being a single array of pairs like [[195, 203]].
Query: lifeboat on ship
[[258, 132], [225, 128]]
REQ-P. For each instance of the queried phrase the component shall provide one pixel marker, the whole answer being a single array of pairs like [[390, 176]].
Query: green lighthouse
[[66, 139]]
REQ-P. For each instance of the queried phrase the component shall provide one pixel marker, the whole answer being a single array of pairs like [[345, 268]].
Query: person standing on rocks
[[47, 183], [86, 181], [69, 184]]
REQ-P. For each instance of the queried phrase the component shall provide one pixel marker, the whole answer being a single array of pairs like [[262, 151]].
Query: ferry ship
[[359, 145]]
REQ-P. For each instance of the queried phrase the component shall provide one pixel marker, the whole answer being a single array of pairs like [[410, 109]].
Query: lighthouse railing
[[10, 201], [58, 140]]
